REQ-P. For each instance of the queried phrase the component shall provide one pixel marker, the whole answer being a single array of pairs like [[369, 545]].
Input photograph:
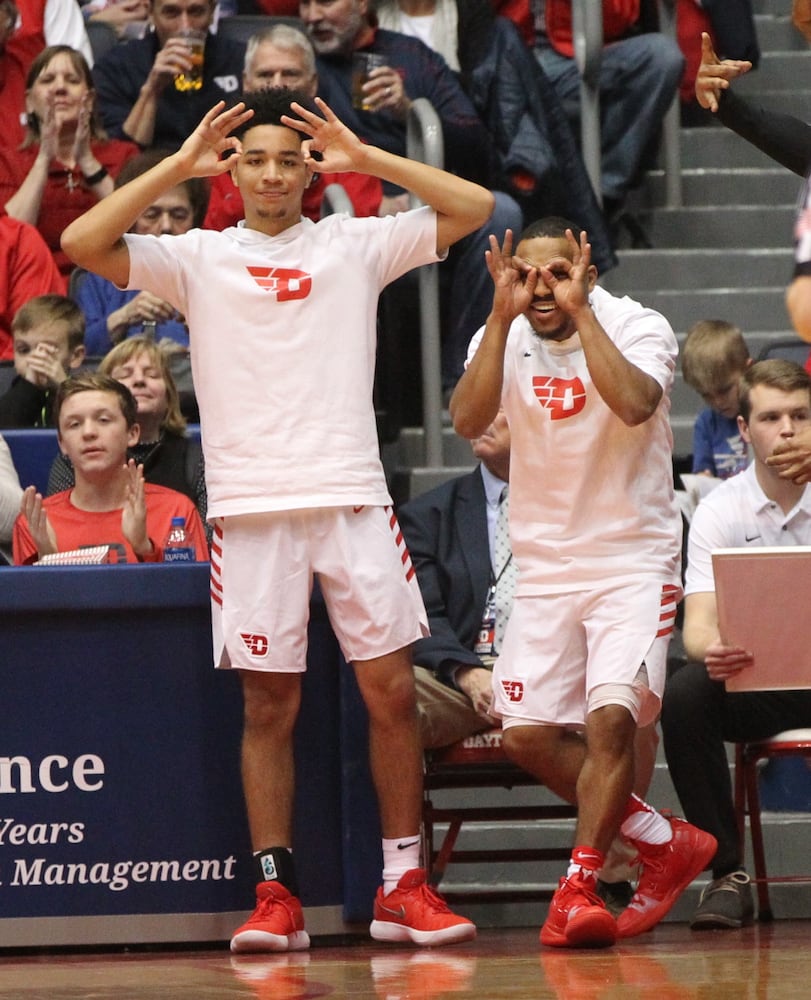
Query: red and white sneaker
[[277, 923], [667, 870], [577, 917], [416, 912]]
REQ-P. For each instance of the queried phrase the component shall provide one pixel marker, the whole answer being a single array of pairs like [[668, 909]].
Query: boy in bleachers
[[48, 335], [110, 504], [713, 359]]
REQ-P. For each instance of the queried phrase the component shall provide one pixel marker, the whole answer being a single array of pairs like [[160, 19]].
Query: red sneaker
[[417, 913], [667, 870], [577, 917], [277, 923]]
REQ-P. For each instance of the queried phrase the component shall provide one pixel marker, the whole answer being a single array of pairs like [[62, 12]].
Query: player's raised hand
[[338, 145], [514, 280], [569, 282], [202, 152]]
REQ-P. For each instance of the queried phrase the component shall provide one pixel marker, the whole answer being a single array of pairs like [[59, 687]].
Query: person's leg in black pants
[[698, 717]]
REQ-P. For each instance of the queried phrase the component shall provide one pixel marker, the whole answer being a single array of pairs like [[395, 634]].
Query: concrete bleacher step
[[778, 34], [762, 308], [779, 72], [686, 268], [718, 147], [455, 450], [725, 185], [721, 226]]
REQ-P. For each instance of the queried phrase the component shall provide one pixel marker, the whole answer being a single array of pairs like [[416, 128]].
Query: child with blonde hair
[[713, 359]]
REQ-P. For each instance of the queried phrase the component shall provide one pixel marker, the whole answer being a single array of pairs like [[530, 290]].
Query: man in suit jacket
[[449, 532]]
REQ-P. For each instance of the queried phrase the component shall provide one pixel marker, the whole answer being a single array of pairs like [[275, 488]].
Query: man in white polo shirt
[[757, 507]]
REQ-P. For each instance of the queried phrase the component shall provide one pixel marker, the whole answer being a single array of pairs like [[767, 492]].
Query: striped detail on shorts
[[402, 548], [667, 615], [215, 580]]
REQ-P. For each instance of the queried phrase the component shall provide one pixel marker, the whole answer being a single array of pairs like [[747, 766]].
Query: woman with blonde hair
[[169, 457], [66, 163]]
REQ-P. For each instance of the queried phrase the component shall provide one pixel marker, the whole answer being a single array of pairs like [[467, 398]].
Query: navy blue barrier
[[121, 811], [33, 452]]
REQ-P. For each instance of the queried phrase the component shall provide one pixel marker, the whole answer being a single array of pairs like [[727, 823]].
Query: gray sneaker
[[726, 902]]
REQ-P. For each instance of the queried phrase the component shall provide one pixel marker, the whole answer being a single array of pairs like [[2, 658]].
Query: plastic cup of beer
[[192, 78], [362, 65]]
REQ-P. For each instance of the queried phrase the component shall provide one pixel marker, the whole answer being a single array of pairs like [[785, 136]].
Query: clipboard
[[763, 596]]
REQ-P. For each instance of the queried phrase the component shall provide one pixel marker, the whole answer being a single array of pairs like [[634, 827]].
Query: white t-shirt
[[283, 338], [738, 514], [591, 499]]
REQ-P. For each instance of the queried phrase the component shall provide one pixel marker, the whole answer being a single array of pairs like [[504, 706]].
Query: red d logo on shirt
[[286, 282], [563, 397]]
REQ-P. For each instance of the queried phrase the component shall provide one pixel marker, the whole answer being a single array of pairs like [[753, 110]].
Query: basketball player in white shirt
[[584, 378], [282, 320]]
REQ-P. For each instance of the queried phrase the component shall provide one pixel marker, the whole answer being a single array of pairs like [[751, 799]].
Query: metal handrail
[[671, 125], [424, 142], [587, 36], [336, 201], [587, 33]]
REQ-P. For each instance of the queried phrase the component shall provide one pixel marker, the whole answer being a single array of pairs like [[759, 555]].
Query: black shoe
[[725, 903], [615, 895]]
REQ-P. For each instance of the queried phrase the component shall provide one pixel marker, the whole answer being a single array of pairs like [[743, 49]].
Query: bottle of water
[[176, 548]]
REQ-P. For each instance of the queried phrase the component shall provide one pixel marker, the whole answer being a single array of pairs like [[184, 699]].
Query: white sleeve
[[64, 25], [10, 493], [643, 335], [707, 532], [473, 346]]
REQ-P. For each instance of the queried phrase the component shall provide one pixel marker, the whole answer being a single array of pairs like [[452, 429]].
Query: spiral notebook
[[91, 555], [763, 597]]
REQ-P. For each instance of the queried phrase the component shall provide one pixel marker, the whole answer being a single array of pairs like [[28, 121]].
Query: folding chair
[[479, 762], [748, 755]]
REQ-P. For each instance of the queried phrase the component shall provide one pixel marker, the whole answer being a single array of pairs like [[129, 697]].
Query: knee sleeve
[[627, 695]]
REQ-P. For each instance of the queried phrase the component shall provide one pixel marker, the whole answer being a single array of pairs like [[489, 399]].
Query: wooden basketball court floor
[[763, 962]]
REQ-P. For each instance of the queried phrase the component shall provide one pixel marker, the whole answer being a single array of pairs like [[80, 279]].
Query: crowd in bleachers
[[86, 110]]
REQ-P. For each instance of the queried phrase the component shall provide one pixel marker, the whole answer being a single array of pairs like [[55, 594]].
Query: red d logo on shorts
[[513, 690], [563, 397], [256, 643], [286, 282]]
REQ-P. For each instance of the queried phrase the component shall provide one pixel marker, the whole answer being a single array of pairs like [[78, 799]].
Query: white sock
[[649, 827], [400, 855]]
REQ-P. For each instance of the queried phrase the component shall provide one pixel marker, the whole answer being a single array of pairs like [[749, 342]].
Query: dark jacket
[[520, 107], [446, 533], [425, 74], [783, 137], [25, 405], [121, 72]]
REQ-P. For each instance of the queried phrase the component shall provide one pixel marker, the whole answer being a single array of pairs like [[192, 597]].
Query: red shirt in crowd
[[76, 528]]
